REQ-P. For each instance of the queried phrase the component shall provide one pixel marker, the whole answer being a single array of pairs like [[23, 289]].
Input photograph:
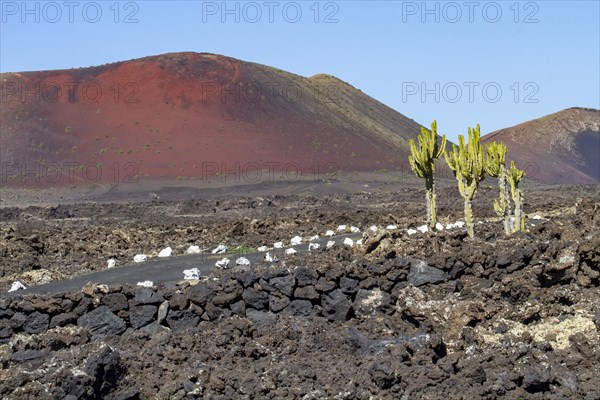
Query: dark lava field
[[430, 315]]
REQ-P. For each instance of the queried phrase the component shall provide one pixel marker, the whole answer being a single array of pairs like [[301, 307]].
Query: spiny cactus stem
[[504, 203], [514, 178], [468, 217], [430, 199], [519, 220]]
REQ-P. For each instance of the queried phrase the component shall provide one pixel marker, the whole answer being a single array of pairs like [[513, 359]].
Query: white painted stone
[[271, 259], [373, 228], [290, 252], [423, 228], [242, 261], [313, 246], [314, 238], [223, 263], [330, 244], [329, 233], [354, 229], [439, 227], [191, 274], [537, 217], [359, 242], [110, 263], [341, 228], [457, 224], [193, 250], [262, 249], [278, 245], [103, 288], [348, 242], [146, 283], [391, 227], [166, 252], [16, 286], [296, 240], [139, 258], [411, 231], [220, 249]]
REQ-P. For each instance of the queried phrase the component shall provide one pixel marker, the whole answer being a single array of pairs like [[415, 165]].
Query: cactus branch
[[514, 177]]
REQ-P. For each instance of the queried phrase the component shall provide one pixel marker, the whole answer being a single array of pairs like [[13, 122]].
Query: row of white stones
[[295, 241]]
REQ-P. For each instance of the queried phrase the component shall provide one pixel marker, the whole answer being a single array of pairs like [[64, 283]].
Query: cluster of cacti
[[422, 162], [468, 165], [496, 168]]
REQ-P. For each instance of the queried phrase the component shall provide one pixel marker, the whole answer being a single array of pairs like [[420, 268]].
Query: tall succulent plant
[[422, 162], [495, 167], [514, 177], [468, 165]]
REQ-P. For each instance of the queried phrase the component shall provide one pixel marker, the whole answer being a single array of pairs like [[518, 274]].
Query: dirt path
[[169, 269]]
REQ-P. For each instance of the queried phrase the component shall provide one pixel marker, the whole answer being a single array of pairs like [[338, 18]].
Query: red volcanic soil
[[188, 115], [563, 147]]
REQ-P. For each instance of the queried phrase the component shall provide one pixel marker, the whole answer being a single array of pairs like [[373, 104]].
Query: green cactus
[[514, 177], [468, 165], [495, 167], [422, 162]]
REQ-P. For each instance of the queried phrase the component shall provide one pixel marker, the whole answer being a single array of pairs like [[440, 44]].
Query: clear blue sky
[[544, 56]]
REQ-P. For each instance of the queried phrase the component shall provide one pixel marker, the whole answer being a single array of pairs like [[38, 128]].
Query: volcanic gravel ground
[[495, 317]]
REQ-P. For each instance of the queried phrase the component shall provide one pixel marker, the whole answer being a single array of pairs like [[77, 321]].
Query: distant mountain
[[563, 147], [185, 115]]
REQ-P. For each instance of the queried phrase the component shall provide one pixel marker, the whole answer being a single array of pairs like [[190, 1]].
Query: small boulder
[[336, 306], [367, 302], [163, 310], [348, 285], [306, 292], [102, 322], [115, 301], [182, 320], [36, 323], [261, 318], [256, 298], [420, 274], [383, 376], [284, 284], [145, 295], [300, 308], [142, 315]]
